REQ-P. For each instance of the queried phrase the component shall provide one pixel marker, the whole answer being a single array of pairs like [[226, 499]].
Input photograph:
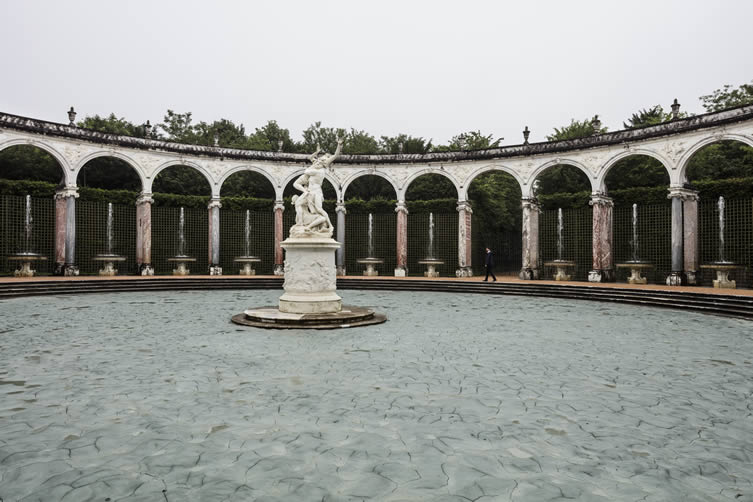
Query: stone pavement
[[134, 396]]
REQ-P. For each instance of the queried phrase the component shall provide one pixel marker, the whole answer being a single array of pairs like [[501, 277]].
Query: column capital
[[530, 203], [279, 204], [214, 203], [67, 191], [600, 199], [682, 193], [401, 207], [464, 205], [144, 198], [340, 208]]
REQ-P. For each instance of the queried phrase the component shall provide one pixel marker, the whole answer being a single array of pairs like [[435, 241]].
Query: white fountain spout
[[431, 236], [27, 225], [371, 237], [109, 228], [635, 232], [721, 229], [560, 227], [181, 235], [248, 233]]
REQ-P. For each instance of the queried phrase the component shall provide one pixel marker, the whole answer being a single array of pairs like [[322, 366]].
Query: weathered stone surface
[[582, 401], [310, 276]]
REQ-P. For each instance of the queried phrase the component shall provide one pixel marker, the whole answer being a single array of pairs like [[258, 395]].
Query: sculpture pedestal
[[181, 261], [310, 278]]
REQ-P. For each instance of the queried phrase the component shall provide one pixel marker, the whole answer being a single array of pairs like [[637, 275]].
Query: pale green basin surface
[[456, 397]]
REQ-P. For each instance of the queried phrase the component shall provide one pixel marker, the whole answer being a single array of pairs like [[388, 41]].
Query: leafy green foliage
[[495, 198], [112, 125], [109, 173], [471, 140], [182, 181], [431, 186], [576, 129], [561, 178], [725, 159], [636, 171], [26, 162], [248, 184], [370, 187], [403, 143], [728, 97], [268, 137]]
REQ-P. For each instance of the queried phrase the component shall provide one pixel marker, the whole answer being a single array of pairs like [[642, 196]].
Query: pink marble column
[[214, 237], [602, 263], [530, 234], [279, 258], [401, 270], [690, 235], [465, 248], [144, 234], [60, 207]]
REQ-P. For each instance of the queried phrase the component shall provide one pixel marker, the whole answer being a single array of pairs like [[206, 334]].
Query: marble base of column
[[279, 269], [691, 277], [401, 271], [529, 274], [464, 272], [341, 271], [146, 269], [677, 279], [606, 275], [215, 270], [70, 270]]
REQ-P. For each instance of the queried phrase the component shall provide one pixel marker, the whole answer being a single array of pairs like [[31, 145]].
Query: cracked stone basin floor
[[158, 397]]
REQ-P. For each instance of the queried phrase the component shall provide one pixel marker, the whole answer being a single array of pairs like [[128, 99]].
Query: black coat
[[489, 259]]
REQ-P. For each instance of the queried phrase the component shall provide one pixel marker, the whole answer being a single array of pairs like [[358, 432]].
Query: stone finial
[[596, 125], [279, 145], [147, 129], [675, 110], [526, 133], [72, 116]]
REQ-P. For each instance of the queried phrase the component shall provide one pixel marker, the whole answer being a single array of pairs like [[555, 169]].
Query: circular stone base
[[272, 318]]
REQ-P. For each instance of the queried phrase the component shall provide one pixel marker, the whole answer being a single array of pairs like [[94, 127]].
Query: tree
[[496, 202], [226, 132], [26, 162], [728, 97], [725, 159], [267, 138], [472, 140], [178, 127], [403, 143], [360, 143], [576, 129], [326, 137], [112, 125], [431, 186], [646, 117]]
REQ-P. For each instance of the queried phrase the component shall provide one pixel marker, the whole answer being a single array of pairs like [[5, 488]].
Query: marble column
[[690, 236], [602, 269], [214, 236], [340, 253], [530, 233], [678, 194], [68, 195], [402, 239], [60, 231], [465, 249], [144, 234], [279, 258]]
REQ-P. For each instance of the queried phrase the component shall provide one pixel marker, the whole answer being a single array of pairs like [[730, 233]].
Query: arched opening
[[247, 226], [180, 187], [641, 217], [565, 188], [725, 231], [115, 182], [28, 170], [370, 196], [432, 223], [495, 198]]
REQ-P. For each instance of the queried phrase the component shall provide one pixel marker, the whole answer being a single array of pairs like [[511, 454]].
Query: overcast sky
[[426, 68]]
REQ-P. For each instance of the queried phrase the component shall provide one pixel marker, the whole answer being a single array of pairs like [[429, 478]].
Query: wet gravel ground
[[158, 397]]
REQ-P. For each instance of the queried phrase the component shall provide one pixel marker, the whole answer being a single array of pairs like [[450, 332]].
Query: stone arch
[[684, 161], [70, 178], [332, 180], [487, 169], [604, 170], [116, 155], [187, 163], [368, 172], [528, 187], [246, 167], [441, 172]]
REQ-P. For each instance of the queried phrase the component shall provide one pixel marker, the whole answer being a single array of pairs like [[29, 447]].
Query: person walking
[[489, 265]]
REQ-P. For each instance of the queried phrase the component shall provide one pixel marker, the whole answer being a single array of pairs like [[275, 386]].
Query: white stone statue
[[311, 220]]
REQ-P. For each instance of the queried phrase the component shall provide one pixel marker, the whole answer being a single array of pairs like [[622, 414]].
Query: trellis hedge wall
[[506, 245], [738, 238], [576, 240], [12, 233]]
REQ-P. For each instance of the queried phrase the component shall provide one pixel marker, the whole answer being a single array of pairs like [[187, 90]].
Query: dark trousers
[[489, 270]]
